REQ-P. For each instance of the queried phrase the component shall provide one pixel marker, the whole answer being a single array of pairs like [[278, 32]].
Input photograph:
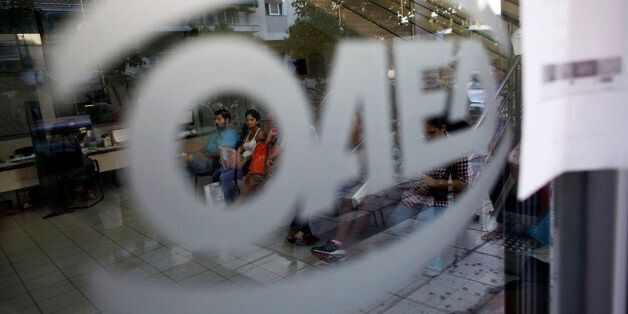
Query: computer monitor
[[186, 117], [120, 136]]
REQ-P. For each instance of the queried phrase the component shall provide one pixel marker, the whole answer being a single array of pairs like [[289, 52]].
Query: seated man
[[431, 194], [207, 160]]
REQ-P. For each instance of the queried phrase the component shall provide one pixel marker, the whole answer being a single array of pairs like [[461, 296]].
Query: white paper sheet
[[575, 88]]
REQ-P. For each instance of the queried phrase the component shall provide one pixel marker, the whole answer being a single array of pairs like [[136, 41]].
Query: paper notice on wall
[[575, 59]]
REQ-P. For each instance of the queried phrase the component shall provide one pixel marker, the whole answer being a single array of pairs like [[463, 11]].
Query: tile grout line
[[280, 253], [86, 223], [160, 243], [401, 300], [84, 251], [141, 233], [469, 252], [116, 242], [130, 227], [81, 248], [22, 282], [59, 269], [432, 281]]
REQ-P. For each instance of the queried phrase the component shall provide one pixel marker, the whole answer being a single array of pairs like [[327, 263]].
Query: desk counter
[[15, 176]]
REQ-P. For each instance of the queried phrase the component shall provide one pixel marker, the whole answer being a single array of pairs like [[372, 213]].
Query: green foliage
[[313, 32], [222, 28], [304, 39], [303, 8]]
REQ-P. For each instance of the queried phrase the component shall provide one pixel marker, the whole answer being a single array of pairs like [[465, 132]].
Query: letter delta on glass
[[310, 169]]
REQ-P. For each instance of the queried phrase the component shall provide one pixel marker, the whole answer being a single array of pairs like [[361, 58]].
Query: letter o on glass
[[183, 80]]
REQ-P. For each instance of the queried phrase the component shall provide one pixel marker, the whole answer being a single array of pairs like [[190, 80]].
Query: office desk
[[15, 176], [18, 177], [112, 158], [24, 174]]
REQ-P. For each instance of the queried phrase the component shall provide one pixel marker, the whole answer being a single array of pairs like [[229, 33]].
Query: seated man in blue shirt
[[207, 160]]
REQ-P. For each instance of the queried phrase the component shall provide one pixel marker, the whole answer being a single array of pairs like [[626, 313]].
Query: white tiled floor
[[49, 265]]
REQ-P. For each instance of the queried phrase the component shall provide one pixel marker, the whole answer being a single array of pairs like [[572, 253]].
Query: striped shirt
[[422, 195]]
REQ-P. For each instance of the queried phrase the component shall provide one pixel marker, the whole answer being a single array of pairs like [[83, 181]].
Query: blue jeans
[[202, 165], [348, 187], [422, 213], [431, 213], [226, 177]]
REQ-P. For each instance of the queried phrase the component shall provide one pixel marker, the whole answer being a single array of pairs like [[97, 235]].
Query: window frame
[[269, 10]]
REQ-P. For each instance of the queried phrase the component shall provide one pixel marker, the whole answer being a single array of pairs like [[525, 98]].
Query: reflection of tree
[[117, 80], [304, 40], [221, 28], [313, 33], [14, 93], [313, 36]]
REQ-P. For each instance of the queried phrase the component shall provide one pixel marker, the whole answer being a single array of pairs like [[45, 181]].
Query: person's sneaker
[[435, 268], [330, 252]]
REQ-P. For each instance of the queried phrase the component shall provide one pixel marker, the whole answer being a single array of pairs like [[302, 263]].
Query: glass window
[[498, 260], [231, 17], [273, 8], [211, 19], [221, 17], [21, 61]]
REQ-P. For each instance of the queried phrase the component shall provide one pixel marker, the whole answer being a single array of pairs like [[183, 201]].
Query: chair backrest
[[58, 156], [66, 160]]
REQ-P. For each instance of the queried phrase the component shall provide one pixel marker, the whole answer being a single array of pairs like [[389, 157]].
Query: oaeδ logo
[[310, 169]]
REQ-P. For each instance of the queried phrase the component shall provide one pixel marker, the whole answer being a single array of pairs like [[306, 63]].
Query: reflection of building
[[269, 21], [30, 33]]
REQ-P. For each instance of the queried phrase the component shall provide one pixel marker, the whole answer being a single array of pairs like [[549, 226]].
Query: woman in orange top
[[263, 159]]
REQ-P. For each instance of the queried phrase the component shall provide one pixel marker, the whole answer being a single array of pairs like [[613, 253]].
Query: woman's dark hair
[[223, 112], [244, 130], [253, 113]]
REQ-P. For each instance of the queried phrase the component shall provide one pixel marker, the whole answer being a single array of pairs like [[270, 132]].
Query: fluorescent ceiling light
[[32, 39]]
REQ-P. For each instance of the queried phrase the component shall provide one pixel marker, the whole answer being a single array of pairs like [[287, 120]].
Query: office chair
[[61, 168]]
